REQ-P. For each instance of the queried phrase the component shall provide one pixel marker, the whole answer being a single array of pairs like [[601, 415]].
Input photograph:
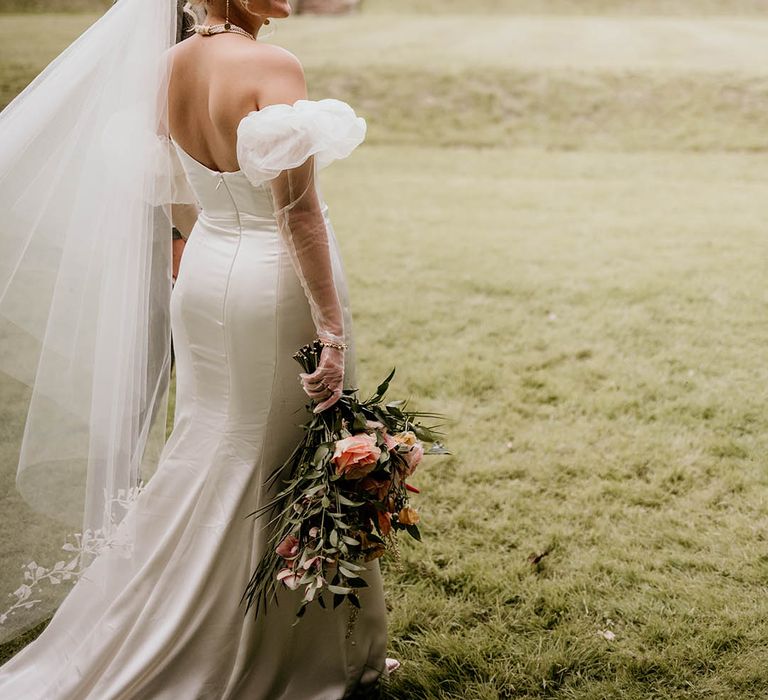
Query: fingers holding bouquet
[[325, 385]]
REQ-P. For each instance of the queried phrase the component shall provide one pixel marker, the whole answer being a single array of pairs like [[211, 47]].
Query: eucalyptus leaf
[[320, 454], [423, 433], [352, 566], [349, 502]]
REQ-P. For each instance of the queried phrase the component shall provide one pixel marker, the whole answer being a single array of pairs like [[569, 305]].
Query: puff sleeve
[[280, 137]]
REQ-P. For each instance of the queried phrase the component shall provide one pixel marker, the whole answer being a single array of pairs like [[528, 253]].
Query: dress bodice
[[224, 194], [270, 140]]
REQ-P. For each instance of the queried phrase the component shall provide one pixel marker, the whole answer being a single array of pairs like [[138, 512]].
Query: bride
[[122, 137]]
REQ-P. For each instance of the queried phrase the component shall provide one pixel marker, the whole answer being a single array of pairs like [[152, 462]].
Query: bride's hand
[[325, 384]]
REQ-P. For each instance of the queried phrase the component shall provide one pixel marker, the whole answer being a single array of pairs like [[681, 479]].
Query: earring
[[227, 24], [266, 21]]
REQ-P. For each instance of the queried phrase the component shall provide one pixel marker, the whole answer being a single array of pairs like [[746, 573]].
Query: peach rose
[[356, 456], [407, 437], [288, 548], [408, 516]]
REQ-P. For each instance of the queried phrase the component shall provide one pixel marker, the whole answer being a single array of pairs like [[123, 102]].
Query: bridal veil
[[86, 178]]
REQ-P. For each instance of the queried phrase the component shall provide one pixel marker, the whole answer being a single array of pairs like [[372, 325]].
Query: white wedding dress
[[173, 627]]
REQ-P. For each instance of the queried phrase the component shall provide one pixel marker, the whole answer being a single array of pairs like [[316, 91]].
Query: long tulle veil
[[85, 282]]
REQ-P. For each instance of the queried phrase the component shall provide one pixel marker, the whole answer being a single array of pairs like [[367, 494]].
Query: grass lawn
[[563, 247], [597, 339]]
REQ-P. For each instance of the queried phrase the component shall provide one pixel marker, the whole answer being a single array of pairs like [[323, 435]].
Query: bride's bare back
[[215, 81]]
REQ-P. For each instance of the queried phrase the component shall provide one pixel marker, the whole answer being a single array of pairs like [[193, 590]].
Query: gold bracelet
[[329, 344]]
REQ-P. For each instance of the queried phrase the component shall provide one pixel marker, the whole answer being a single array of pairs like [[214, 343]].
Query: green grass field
[[572, 227]]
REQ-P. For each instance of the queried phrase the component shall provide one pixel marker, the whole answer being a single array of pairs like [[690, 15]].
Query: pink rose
[[389, 441], [413, 457], [356, 456], [411, 449], [288, 548]]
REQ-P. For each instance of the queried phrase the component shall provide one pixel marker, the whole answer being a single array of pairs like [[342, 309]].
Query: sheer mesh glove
[[326, 383], [303, 229]]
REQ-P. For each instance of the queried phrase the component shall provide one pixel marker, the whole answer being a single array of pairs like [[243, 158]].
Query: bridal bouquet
[[345, 495]]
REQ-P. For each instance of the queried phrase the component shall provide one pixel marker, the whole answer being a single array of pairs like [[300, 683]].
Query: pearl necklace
[[209, 29]]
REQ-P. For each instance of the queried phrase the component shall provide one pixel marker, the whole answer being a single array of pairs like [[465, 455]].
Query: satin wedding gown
[[173, 628]]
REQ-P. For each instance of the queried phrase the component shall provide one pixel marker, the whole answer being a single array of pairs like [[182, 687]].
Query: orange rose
[[356, 456], [408, 516]]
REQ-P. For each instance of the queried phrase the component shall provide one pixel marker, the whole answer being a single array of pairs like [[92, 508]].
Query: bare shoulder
[[277, 72], [279, 57]]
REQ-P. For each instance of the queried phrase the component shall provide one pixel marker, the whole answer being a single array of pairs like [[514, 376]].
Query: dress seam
[[227, 352], [259, 463]]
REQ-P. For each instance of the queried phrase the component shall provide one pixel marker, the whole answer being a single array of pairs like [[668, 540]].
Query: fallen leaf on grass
[[534, 558]]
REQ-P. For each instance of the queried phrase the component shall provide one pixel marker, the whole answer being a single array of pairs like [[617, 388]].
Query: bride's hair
[[196, 10]]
